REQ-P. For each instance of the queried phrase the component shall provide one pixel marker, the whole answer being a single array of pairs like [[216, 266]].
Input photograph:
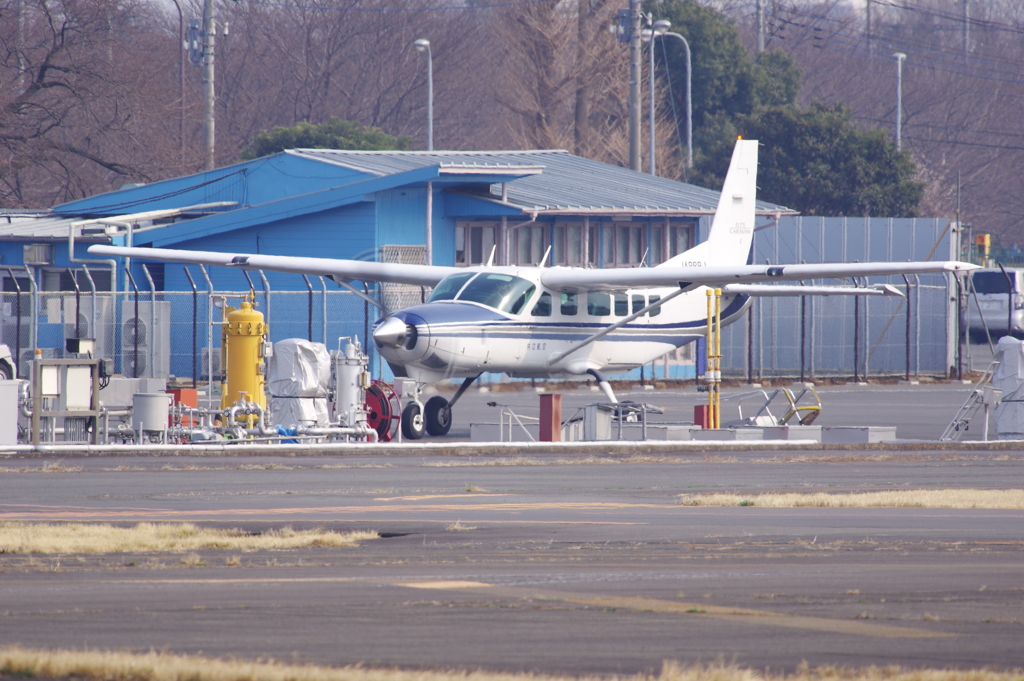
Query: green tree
[[815, 161], [725, 79], [332, 134]]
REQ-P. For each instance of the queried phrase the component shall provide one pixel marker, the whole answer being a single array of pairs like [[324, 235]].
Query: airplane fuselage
[[465, 332]]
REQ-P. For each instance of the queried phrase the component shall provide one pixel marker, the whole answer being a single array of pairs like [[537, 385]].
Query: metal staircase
[[975, 401]]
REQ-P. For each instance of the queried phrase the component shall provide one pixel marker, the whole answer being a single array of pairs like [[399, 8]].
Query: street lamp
[[423, 45], [899, 99], [659, 29]]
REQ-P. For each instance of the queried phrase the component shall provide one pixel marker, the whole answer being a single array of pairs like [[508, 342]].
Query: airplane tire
[[412, 422], [438, 416]]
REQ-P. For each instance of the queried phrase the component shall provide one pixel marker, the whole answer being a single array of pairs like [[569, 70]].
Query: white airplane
[[550, 322]]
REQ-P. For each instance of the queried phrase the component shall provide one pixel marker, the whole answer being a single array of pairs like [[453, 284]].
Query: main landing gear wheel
[[438, 416], [412, 422]]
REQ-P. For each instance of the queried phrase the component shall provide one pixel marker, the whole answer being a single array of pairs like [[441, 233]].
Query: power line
[[292, 5]]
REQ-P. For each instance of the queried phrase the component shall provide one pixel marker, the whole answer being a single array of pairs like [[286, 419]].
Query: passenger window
[[569, 304], [656, 311], [621, 306], [543, 306], [598, 304], [638, 303]]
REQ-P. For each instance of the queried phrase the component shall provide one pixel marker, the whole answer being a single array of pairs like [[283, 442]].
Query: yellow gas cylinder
[[243, 336]]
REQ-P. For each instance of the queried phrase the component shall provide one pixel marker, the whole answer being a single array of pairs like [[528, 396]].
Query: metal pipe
[[92, 290], [266, 296]]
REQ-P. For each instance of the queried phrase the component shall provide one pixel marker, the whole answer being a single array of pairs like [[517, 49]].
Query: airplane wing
[[570, 280], [772, 290], [339, 270]]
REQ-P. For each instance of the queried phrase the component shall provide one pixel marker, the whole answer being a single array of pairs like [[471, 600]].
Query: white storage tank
[[150, 412]]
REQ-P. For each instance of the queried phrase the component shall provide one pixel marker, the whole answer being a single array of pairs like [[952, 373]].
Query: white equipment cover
[[1009, 377], [298, 375]]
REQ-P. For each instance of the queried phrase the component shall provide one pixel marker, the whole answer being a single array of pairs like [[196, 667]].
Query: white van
[[995, 296]]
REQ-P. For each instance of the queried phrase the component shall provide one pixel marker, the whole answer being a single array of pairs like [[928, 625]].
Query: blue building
[[511, 207]]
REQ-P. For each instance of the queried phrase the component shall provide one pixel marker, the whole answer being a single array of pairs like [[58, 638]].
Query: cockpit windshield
[[503, 292], [448, 287]]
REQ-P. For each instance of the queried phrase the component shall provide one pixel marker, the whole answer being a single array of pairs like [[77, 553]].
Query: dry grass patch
[[457, 526], [938, 498], [18, 537], [155, 666]]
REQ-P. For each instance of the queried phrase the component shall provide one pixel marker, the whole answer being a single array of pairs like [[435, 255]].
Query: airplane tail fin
[[732, 229]]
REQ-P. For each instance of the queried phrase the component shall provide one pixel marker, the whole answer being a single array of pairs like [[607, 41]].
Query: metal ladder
[[960, 423]]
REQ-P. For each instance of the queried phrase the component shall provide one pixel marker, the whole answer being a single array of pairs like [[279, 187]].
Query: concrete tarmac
[[548, 564]]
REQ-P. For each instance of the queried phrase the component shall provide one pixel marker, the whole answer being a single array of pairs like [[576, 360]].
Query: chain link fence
[[168, 334], [842, 336]]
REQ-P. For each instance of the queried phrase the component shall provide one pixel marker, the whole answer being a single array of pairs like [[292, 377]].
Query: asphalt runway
[[523, 563]]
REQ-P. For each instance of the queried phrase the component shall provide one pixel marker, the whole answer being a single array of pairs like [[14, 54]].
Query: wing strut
[[559, 356], [371, 300]]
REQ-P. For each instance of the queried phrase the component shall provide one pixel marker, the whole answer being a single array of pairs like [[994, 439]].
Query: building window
[[623, 244], [528, 243], [474, 242], [669, 239]]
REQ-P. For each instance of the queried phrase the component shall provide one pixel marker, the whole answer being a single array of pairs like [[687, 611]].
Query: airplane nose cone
[[392, 332]]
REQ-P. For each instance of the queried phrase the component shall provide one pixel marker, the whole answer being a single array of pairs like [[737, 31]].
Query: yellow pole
[[709, 373], [718, 358]]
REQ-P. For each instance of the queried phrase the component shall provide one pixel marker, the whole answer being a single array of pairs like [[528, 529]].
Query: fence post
[[152, 321], [906, 280], [135, 330], [195, 323], [323, 287], [309, 318], [803, 337], [856, 336], [17, 321], [33, 300]]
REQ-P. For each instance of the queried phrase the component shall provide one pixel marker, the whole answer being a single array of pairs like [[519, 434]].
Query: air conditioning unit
[[151, 334], [204, 364], [61, 308]]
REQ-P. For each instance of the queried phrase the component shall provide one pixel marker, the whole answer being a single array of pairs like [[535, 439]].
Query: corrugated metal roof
[[569, 183], [34, 226]]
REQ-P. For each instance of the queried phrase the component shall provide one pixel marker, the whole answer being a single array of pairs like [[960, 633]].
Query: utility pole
[[899, 99], [760, 25], [635, 50], [209, 32]]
